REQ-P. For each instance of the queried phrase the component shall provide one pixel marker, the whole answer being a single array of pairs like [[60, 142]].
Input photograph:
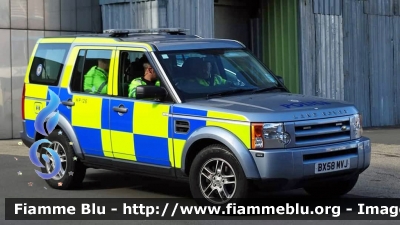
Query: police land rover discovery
[[218, 118]]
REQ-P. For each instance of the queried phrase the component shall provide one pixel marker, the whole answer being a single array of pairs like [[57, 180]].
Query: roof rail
[[125, 32]]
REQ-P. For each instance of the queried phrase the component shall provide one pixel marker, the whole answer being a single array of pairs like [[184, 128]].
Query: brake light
[[257, 140], [23, 103]]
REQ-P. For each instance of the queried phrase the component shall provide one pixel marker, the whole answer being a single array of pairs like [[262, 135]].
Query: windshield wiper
[[269, 89], [229, 92]]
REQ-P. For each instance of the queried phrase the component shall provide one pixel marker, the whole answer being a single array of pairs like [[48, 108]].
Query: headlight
[[357, 126], [268, 135]]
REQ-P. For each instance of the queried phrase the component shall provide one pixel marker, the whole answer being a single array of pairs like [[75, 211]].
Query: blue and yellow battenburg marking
[[144, 134], [36, 98], [204, 118]]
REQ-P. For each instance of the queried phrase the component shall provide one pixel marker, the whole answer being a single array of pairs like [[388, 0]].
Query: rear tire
[[332, 189], [72, 172], [216, 172]]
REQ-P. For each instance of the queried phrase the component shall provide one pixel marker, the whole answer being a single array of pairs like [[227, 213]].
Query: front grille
[[315, 132]]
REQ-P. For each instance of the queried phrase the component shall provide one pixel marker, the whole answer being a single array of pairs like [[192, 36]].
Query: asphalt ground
[[382, 179]]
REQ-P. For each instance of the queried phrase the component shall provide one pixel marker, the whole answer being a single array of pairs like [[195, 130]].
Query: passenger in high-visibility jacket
[[149, 78], [97, 77], [203, 75]]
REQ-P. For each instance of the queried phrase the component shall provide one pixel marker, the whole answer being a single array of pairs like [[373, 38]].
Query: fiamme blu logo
[[51, 112]]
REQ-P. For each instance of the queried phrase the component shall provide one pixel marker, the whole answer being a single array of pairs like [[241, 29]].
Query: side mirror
[[281, 79], [150, 92]]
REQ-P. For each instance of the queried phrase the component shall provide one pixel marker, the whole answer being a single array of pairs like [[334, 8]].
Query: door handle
[[68, 103], [120, 109]]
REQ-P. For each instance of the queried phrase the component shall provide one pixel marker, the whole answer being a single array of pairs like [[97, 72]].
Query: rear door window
[[48, 63]]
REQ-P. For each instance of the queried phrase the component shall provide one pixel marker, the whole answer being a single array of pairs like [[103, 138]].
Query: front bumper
[[293, 168]]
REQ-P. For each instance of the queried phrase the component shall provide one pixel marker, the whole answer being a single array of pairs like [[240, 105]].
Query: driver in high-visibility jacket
[[149, 78]]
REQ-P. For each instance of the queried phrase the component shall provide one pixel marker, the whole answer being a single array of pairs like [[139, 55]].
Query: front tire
[[332, 189], [72, 171], [217, 178]]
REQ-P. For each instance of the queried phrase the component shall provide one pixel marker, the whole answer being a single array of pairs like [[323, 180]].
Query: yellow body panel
[[56, 40], [148, 119], [123, 144], [133, 49], [87, 111], [178, 150], [69, 66], [106, 142], [112, 74], [114, 78], [242, 131], [171, 151], [36, 91], [226, 116], [97, 40], [33, 107], [125, 157], [88, 40], [144, 45], [108, 154]]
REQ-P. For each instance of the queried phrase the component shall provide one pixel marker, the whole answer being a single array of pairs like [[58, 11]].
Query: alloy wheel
[[59, 149], [217, 181]]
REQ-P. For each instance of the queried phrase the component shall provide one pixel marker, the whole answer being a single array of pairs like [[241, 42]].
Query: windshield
[[210, 73]]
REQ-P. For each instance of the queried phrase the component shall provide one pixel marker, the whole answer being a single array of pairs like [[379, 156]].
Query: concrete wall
[[22, 23]]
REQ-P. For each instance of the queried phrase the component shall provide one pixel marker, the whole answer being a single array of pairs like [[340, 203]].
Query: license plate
[[332, 166]]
